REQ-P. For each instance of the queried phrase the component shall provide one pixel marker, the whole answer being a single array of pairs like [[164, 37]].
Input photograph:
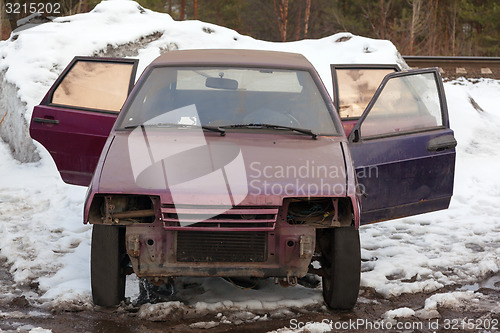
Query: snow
[[204, 295], [47, 248], [455, 300], [204, 324], [39, 330], [306, 328], [17, 315], [30, 329], [40, 226], [399, 313]]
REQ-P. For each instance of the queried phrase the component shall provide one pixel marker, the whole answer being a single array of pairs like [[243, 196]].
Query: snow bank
[[32, 58], [40, 224]]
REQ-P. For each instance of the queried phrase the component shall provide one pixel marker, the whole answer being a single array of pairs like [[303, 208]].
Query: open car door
[[75, 118], [403, 148]]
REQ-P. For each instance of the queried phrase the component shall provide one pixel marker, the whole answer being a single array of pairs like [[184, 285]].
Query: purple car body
[[235, 163]]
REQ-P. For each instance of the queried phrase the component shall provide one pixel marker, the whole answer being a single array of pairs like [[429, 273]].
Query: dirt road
[[472, 308]]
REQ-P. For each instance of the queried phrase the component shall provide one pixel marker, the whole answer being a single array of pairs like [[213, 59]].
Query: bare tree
[[183, 9], [298, 24], [306, 17], [11, 17], [281, 11], [454, 28], [3, 22], [377, 16], [385, 8], [416, 22]]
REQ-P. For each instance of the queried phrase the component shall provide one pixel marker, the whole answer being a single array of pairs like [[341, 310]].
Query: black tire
[[106, 271], [342, 265]]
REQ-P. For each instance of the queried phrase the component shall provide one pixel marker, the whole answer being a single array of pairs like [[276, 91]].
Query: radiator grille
[[201, 218], [221, 246]]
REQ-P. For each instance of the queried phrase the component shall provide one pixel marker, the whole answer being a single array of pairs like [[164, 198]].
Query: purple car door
[[403, 148], [74, 119]]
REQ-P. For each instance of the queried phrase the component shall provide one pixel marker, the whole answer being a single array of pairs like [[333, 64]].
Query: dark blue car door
[[403, 148]]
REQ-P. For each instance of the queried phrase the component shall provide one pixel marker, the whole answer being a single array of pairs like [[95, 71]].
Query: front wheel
[[342, 266], [106, 271]]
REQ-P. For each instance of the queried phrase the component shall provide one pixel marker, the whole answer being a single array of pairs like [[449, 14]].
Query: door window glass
[[406, 103], [94, 85], [356, 87]]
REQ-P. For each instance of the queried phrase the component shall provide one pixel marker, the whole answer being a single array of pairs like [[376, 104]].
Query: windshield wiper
[[279, 127], [208, 128]]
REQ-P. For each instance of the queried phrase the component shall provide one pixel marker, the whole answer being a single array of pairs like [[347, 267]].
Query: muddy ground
[[18, 315]]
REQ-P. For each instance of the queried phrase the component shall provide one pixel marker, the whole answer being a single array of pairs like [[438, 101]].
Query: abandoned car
[[237, 163]]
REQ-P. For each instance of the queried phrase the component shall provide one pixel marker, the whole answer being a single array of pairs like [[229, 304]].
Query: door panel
[[403, 149], [399, 177], [75, 118]]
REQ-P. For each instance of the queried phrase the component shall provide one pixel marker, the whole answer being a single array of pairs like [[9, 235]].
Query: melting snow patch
[[307, 328], [173, 311], [29, 329], [162, 311], [13, 315], [458, 300], [399, 313], [234, 305], [40, 330], [204, 324]]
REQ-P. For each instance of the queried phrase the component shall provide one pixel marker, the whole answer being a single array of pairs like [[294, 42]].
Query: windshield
[[222, 96]]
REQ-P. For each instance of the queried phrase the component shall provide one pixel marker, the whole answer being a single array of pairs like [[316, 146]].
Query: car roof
[[233, 57]]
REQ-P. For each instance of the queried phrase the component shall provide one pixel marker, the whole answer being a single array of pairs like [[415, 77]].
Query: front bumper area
[[156, 252]]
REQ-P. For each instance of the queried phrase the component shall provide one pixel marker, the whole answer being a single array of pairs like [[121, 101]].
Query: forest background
[[416, 27]]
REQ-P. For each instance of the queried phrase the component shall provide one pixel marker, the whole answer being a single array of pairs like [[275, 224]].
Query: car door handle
[[441, 143], [45, 120]]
